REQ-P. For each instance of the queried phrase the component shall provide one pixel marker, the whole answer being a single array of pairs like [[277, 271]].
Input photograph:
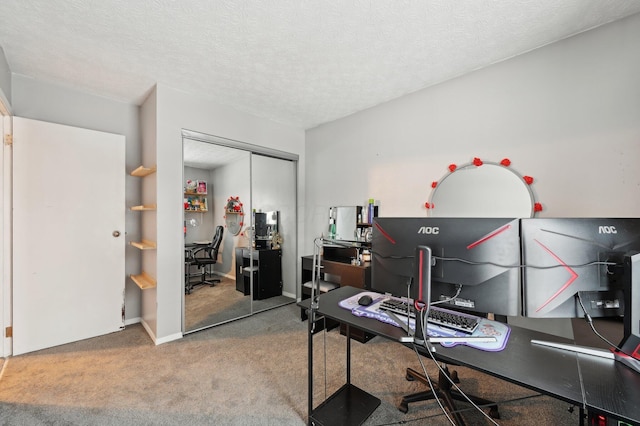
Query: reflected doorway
[[256, 179]]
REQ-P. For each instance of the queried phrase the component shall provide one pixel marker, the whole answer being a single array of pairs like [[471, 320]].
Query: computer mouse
[[365, 300]]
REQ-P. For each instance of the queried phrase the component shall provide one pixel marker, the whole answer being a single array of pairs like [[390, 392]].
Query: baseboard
[[159, 341], [131, 321], [169, 338], [149, 331], [287, 294]]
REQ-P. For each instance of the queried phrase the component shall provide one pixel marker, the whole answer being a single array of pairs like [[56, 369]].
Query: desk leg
[[348, 354], [349, 405], [310, 364]]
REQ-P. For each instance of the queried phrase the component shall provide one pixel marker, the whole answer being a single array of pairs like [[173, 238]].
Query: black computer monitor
[[597, 259], [476, 258], [566, 256]]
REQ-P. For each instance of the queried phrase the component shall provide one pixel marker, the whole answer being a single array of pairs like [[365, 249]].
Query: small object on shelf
[[196, 203], [190, 187], [371, 211], [201, 187]]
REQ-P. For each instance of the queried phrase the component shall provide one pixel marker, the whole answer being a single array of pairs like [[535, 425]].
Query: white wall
[[39, 100], [273, 180], [5, 78], [178, 110], [230, 180], [567, 114]]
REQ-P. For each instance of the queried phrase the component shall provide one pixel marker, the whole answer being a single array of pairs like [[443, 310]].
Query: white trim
[[169, 338], [149, 330], [6, 343], [165, 339], [132, 321]]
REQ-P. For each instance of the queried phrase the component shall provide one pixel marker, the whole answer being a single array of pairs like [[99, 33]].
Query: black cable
[[518, 266], [589, 320]]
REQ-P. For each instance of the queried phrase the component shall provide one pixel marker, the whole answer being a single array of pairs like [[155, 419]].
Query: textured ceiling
[[298, 62]]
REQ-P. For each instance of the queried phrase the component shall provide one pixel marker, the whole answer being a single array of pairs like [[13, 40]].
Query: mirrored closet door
[[240, 230]]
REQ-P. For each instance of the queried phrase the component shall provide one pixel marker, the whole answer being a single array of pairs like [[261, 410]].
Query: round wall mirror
[[482, 189], [234, 215]]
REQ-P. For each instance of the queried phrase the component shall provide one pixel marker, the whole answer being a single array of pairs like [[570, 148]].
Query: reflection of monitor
[[565, 256], [479, 257], [594, 258]]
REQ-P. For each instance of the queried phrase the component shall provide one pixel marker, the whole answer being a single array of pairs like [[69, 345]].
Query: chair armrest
[[195, 251]]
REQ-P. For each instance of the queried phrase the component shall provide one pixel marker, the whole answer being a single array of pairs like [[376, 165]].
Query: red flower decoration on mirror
[[528, 180], [427, 205], [477, 162], [434, 184], [537, 207], [505, 162], [452, 168]]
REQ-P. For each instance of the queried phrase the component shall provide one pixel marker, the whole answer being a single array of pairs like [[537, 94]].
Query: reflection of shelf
[[144, 245], [196, 203], [143, 280], [145, 207], [143, 171]]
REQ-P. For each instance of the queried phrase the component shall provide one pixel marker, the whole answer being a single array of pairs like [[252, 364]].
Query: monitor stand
[[632, 343]]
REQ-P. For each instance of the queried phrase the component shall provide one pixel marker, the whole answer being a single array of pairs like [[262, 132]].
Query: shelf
[[196, 193], [145, 207], [196, 211], [144, 280], [143, 171], [144, 245]]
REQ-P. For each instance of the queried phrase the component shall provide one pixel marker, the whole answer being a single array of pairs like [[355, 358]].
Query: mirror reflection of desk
[[266, 270]]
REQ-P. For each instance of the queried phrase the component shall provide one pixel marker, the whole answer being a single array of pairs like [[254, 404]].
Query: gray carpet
[[247, 372]]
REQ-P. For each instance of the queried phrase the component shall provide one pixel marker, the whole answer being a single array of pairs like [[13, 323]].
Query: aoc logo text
[[607, 230], [429, 230]]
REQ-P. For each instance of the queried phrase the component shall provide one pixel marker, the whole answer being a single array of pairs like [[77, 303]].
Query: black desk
[[584, 381]]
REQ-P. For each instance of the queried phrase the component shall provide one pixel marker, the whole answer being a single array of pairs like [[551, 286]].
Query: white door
[[68, 234]]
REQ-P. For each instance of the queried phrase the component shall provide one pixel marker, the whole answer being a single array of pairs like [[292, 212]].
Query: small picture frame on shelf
[[202, 187], [190, 187]]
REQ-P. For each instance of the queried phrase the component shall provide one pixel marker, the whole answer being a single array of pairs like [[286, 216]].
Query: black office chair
[[203, 257]]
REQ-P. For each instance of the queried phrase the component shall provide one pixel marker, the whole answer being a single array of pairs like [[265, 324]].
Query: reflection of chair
[[203, 257]]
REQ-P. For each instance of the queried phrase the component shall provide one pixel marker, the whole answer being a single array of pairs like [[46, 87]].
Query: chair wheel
[[404, 407]]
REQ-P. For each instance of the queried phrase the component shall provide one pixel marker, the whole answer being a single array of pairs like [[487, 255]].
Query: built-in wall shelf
[[143, 171], [144, 244], [145, 207], [144, 280]]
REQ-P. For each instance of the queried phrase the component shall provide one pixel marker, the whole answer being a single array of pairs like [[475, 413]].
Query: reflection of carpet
[[206, 305]]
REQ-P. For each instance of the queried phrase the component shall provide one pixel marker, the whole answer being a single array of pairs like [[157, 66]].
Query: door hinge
[[8, 332], [8, 139]]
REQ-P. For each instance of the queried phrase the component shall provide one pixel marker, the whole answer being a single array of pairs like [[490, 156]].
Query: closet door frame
[[264, 151]]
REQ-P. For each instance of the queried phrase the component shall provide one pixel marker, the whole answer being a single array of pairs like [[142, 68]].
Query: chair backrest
[[215, 242]]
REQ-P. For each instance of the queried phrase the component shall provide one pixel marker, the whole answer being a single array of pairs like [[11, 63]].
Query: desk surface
[[608, 386]]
